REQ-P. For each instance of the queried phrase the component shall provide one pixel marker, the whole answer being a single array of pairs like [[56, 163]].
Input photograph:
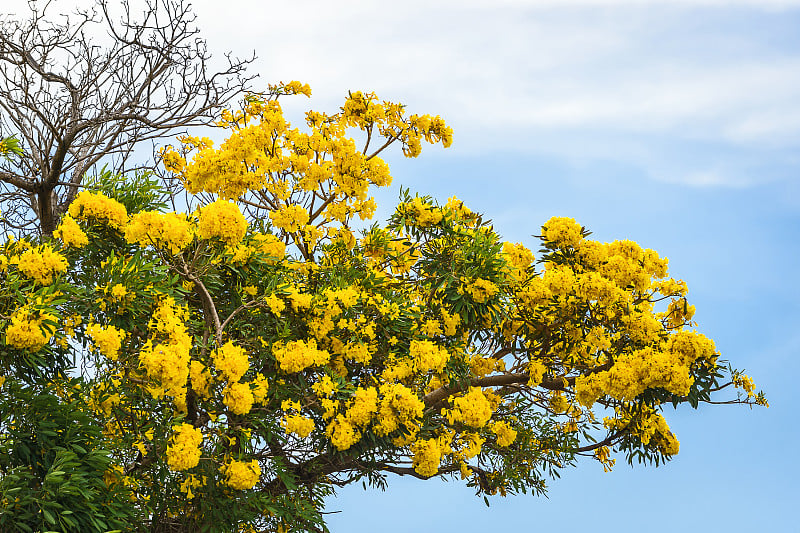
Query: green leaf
[[48, 516]]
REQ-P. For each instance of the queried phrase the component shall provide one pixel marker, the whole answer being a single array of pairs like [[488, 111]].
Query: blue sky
[[675, 124]]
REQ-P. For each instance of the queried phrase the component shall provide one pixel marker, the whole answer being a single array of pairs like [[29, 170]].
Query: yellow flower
[[42, 263], [99, 208], [299, 355], [71, 233], [26, 331], [275, 304], [222, 220], [427, 456], [239, 398], [241, 475], [107, 340], [290, 218], [231, 361], [342, 433], [505, 433], [472, 409], [183, 451], [297, 424], [200, 378], [481, 290], [428, 356], [170, 231], [562, 232]]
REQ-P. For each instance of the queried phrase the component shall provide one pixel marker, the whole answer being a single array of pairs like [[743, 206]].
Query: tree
[[75, 98], [247, 358]]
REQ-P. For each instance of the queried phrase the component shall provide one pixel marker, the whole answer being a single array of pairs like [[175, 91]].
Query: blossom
[[297, 424], [184, 451], [241, 475], [428, 356], [107, 340], [231, 361], [170, 231], [289, 218], [42, 263], [481, 290], [27, 331], [505, 433], [562, 232], [222, 220], [295, 356], [472, 409], [98, 207], [239, 398], [427, 456], [71, 233]]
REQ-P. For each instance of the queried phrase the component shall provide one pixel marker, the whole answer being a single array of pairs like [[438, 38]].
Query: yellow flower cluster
[[364, 406], [481, 290], [427, 356], [649, 427], [293, 87], [168, 361], [345, 430], [472, 409], [427, 456], [231, 361], [242, 475], [324, 387], [268, 245], [562, 232], [99, 208], [505, 433], [170, 231], [200, 378], [301, 177], [603, 455], [358, 352], [222, 220], [451, 322], [365, 111], [192, 482], [342, 433], [289, 218], [297, 424], [275, 304], [399, 406], [481, 366], [519, 258], [239, 398], [260, 388], [107, 340], [295, 356], [184, 451], [41, 263], [422, 214], [27, 331], [71, 233], [635, 372]]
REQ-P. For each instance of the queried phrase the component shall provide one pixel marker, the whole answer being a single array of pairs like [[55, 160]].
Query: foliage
[[247, 358]]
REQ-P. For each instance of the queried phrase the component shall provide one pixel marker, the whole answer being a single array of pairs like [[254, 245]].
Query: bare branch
[[86, 89]]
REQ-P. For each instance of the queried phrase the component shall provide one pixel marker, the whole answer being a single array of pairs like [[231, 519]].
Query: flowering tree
[[159, 366]]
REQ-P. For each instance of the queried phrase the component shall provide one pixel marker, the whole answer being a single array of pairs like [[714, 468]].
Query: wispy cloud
[[631, 79]]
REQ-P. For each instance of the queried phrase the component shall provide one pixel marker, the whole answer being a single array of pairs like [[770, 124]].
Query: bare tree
[[86, 89]]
